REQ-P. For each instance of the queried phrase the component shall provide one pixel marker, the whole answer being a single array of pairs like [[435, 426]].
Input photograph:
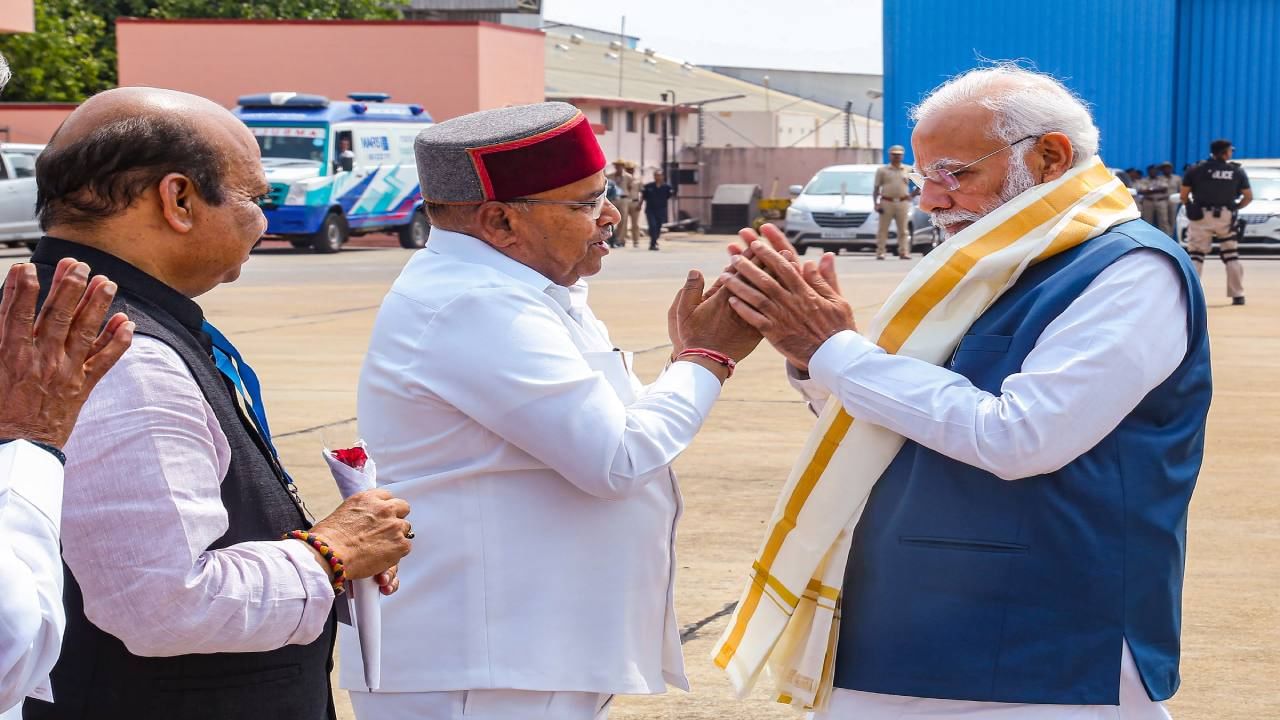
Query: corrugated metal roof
[[584, 71]]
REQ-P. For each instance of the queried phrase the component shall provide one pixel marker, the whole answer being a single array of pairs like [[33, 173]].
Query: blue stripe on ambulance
[[349, 199]]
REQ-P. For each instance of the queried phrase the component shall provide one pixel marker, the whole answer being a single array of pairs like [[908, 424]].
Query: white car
[[1251, 164], [835, 211], [1261, 217], [18, 224]]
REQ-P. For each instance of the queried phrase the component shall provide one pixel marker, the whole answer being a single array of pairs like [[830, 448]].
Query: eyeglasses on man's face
[[596, 205], [947, 178]]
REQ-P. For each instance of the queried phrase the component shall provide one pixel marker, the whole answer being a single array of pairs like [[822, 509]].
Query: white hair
[[5, 74], [1024, 102]]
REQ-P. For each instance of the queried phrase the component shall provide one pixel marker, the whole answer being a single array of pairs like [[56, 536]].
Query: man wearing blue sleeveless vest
[[1022, 555]]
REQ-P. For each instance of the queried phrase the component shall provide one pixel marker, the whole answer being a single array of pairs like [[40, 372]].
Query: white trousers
[[481, 705]]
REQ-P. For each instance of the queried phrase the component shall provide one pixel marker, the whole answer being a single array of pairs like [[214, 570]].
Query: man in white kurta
[[31, 615], [493, 399]]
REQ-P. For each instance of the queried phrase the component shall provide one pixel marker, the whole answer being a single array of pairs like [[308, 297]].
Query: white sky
[[828, 35]]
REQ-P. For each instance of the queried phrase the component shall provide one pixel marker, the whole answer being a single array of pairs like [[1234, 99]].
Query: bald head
[[144, 103], [162, 179], [122, 141]]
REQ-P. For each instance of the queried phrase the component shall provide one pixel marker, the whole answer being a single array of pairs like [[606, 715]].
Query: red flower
[[354, 457]]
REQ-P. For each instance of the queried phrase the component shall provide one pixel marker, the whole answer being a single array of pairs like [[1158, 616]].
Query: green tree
[[72, 53], [276, 9], [62, 61]]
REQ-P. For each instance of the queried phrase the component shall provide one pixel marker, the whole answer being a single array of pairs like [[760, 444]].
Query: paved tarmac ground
[[303, 320]]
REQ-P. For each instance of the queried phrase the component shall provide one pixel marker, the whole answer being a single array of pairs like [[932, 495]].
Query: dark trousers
[[655, 227]]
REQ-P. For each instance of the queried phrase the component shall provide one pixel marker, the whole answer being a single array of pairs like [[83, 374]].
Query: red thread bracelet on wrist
[[712, 355], [326, 552]]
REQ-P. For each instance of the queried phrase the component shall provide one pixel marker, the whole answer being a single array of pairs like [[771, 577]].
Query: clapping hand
[[702, 319], [797, 307], [51, 362]]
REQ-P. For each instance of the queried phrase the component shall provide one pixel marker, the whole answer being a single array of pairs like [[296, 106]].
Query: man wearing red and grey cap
[[493, 399]]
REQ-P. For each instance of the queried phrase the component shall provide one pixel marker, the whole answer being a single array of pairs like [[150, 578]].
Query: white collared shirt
[[1089, 369], [537, 468], [32, 618]]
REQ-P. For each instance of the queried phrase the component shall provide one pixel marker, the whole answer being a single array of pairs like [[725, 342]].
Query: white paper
[[364, 596]]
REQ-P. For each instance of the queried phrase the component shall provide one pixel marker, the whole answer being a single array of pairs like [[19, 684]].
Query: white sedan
[[1261, 217], [18, 224], [835, 211]]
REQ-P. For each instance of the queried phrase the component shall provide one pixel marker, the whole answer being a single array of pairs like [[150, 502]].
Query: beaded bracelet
[[326, 552]]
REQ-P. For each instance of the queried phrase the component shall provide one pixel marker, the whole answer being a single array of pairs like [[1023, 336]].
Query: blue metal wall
[[1228, 83], [1163, 77]]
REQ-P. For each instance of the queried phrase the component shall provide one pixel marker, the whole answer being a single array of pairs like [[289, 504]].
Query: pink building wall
[[31, 122], [17, 16], [511, 67], [451, 68]]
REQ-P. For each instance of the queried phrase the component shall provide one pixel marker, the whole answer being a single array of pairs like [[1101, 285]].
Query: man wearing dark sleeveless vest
[[182, 598], [1022, 556]]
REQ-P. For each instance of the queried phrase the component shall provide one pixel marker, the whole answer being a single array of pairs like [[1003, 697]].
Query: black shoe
[[653, 247], [1237, 300]]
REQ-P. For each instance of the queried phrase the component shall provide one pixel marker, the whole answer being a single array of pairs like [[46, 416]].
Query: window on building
[[675, 124], [631, 121], [606, 118], [653, 124]]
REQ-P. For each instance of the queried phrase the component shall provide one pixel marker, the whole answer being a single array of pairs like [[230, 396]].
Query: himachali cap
[[897, 150], [506, 154]]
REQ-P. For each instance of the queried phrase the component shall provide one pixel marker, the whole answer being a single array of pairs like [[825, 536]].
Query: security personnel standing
[[892, 195], [1153, 197], [634, 220], [628, 190], [1174, 182], [1213, 192], [654, 196]]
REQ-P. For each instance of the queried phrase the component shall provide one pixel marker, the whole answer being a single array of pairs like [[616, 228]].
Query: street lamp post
[[669, 164], [873, 96]]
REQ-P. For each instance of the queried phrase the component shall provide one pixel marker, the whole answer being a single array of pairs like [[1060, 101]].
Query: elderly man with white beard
[[989, 519]]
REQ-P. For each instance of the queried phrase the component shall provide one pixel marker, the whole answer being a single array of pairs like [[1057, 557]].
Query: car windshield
[[1265, 188], [859, 182], [23, 163], [291, 145]]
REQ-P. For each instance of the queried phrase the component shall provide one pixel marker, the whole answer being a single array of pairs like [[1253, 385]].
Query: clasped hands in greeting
[[795, 306]]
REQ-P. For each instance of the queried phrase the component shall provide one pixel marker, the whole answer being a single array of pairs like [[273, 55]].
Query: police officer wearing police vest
[[1213, 192]]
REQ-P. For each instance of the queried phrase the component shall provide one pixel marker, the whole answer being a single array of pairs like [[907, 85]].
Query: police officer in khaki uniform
[[892, 195], [1153, 198], [1174, 182], [628, 190], [1213, 192], [633, 216]]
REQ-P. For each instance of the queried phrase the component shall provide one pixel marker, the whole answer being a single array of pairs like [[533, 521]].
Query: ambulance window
[[344, 155]]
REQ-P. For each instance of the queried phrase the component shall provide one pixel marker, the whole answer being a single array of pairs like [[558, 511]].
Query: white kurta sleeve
[[1123, 336], [143, 504], [31, 615], [522, 377]]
